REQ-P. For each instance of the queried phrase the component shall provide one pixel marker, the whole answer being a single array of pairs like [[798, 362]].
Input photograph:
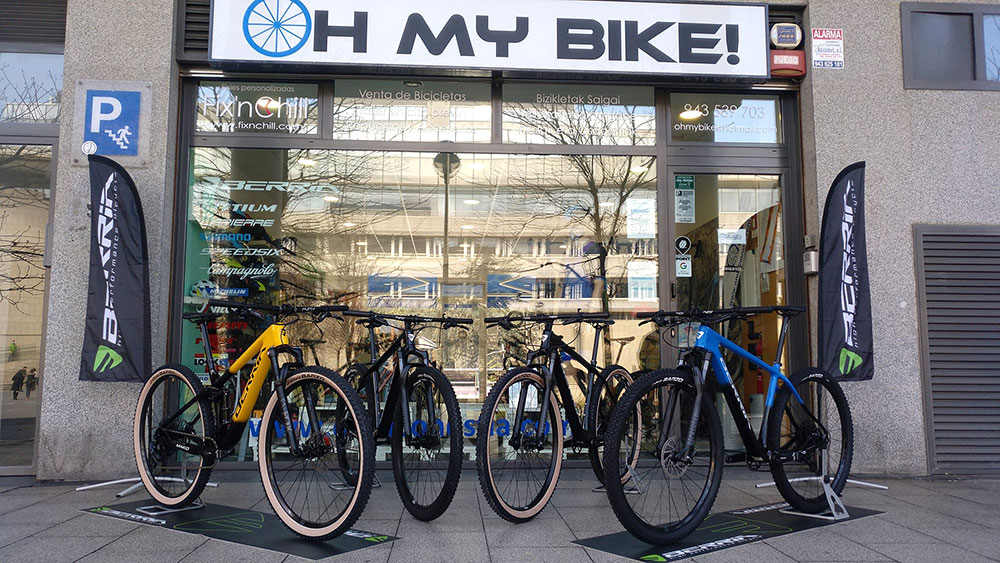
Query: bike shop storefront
[[479, 193]]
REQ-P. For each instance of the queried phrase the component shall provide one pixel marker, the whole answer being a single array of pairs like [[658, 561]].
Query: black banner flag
[[845, 310], [116, 341]]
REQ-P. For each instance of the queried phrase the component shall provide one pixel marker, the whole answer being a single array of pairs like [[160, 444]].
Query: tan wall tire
[[201, 475], [487, 477], [361, 489]]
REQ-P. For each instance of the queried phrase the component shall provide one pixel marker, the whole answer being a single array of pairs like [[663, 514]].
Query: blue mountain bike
[[806, 435]]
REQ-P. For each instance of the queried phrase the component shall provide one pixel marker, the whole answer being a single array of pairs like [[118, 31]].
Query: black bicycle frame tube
[[400, 349], [209, 358], [554, 378], [370, 379], [754, 444]]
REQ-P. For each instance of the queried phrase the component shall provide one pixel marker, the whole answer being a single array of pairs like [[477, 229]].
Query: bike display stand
[[137, 484], [632, 489], [835, 507], [376, 483]]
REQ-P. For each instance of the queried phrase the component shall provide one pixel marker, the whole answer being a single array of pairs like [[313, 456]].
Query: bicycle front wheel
[[518, 471], [812, 440], [427, 457], [672, 485], [306, 488], [170, 431], [608, 388]]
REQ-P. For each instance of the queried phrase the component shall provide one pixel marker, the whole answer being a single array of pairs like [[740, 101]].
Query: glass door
[[25, 195], [729, 252]]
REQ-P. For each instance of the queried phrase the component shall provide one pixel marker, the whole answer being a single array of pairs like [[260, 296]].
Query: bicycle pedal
[[736, 458]]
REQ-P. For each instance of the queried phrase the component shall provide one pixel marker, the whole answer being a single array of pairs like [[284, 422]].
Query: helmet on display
[[204, 289]]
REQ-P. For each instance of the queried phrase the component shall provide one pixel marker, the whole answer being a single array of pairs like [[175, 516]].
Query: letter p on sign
[[112, 121], [103, 108]]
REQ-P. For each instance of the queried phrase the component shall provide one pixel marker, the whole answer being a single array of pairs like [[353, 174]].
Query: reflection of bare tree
[[24, 188], [582, 125], [591, 192], [27, 98], [21, 252]]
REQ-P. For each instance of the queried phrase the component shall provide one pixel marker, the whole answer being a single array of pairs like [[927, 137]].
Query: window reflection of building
[[521, 232], [387, 230]]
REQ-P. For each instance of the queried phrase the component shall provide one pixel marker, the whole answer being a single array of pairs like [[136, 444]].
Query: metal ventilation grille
[[958, 278], [193, 44], [38, 21]]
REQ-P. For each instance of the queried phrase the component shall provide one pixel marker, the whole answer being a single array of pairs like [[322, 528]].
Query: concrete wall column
[[86, 427]]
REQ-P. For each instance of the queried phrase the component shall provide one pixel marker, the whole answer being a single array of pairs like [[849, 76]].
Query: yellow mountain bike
[[312, 436]]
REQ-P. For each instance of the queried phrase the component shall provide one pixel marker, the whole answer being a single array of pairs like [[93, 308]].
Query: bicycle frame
[[401, 348], [267, 346], [709, 342], [552, 348]]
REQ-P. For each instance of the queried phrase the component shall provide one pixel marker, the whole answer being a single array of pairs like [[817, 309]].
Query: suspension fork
[[279, 388], [547, 392], [699, 379]]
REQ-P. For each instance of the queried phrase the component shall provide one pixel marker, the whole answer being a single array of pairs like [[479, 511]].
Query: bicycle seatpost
[[781, 339], [597, 342]]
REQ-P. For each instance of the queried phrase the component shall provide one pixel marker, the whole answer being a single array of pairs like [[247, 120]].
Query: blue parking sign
[[112, 121]]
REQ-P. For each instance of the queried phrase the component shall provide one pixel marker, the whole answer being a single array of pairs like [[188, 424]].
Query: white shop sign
[[587, 36]]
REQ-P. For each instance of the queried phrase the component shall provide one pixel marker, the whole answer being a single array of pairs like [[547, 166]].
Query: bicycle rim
[[670, 490], [519, 479], [427, 459], [173, 477], [307, 490], [803, 429]]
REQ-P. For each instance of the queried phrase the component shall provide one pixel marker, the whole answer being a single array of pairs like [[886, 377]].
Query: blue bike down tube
[[711, 341]]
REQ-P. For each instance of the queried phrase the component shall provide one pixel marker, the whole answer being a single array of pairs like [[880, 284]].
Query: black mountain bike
[[806, 435], [312, 429], [425, 424], [519, 441]]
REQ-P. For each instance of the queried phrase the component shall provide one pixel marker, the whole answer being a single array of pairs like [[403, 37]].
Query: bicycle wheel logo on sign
[[276, 28]]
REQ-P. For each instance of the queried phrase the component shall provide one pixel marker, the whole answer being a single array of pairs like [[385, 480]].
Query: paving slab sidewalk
[[923, 520]]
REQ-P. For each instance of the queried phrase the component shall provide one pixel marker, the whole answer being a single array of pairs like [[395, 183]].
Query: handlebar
[[716, 315], [319, 312], [447, 322], [508, 321], [279, 309]]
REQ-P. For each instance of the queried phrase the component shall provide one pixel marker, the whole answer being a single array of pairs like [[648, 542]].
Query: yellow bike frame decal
[[274, 335]]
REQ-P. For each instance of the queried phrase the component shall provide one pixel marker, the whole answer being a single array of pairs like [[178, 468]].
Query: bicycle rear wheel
[[608, 389], [518, 478], [671, 489], [354, 375], [169, 432], [813, 440], [427, 460], [305, 488]]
